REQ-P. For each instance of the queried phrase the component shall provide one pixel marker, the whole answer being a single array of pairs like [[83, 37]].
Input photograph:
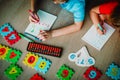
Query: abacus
[[44, 49]]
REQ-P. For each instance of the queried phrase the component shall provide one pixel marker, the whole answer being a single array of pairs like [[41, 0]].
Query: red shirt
[[107, 8]]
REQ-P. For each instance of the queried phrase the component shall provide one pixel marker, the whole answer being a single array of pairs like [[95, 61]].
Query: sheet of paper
[[46, 22], [94, 39]]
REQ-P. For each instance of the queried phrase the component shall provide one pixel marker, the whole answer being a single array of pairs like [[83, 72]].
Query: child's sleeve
[[107, 8], [79, 14]]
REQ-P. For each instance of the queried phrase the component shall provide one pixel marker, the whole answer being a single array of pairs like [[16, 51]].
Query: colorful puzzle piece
[[65, 73], [37, 77], [113, 71], [3, 51], [10, 35], [44, 49], [13, 55], [12, 38], [13, 71], [10, 54], [42, 65], [31, 60], [6, 29], [82, 58], [92, 73]]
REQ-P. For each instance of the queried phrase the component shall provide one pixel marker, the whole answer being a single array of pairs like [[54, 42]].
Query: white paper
[[46, 22], [94, 39]]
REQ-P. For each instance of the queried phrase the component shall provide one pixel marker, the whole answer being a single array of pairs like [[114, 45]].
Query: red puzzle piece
[[92, 73], [5, 29], [2, 51], [12, 38], [37, 77], [31, 59], [12, 55], [65, 73]]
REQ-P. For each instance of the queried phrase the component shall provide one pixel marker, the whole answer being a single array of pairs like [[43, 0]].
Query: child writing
[[74, 6], [109, 12], [33, 13]]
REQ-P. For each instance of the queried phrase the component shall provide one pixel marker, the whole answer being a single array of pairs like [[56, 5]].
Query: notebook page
[[94, 39], [46, 22]]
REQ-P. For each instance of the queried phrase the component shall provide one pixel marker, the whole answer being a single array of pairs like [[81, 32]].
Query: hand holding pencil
[[33, 17], [100, 28]]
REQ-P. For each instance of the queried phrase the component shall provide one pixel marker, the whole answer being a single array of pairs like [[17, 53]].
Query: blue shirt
[[77, 7]]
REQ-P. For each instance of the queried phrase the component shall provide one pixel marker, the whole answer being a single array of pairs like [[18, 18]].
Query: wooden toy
[[113, 71], [42, 65], [44, 49], [65, 73], [92, 73], [37, 77], [13, 71], [82, 58]]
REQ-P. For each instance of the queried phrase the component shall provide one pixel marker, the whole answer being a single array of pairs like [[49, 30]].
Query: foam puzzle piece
[[92, 73], [113, 71], [37, 77], [9, 54], [13, 55], [31, 59], [12, 38], [44, 49], [42, 65], [13, 71], [10, 35], [82, 58], [6, 29], [65, 73], [3, 51]]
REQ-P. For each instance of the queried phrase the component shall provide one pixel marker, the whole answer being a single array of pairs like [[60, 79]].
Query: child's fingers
[[99, 31], [104, 30], [42, 31], [42, 37], [36, 17], [32, 19]]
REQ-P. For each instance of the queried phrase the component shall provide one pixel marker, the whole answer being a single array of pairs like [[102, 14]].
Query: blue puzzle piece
[[5, 29], [12, 37], [113, 71], [42, 65]]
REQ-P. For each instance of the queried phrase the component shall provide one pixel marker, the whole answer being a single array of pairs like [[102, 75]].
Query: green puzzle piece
[[13, 55], [13, 71], [65, 73]]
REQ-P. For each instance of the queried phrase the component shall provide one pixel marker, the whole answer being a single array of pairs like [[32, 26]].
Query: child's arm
[[33, 12], [62, 31], [33, 5], [95, 17]]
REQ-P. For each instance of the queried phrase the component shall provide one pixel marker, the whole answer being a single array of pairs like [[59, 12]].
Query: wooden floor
[[16, 13]]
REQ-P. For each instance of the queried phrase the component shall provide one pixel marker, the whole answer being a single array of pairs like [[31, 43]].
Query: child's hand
[[33, 18], [101, 32], [44, 35]]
